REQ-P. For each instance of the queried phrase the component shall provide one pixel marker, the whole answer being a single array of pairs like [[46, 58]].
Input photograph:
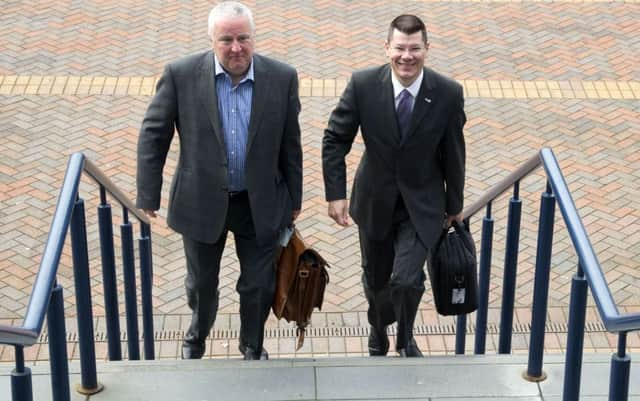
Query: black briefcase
[[452, 271]]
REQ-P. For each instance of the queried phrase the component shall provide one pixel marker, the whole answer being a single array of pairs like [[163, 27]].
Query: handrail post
[[107, 253], [461, 333], [483, 282], [129, 274], [541, 287], [21, 388], [461, 320], [575, 337], [146, 284], [58, 358], [510, 271], [89, 383], [620, 368]]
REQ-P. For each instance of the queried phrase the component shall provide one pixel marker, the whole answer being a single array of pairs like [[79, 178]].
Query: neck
[[404, 82], [236, 78]]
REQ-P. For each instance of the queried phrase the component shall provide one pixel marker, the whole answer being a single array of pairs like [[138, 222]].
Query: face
[[233, 45], [406, 54]]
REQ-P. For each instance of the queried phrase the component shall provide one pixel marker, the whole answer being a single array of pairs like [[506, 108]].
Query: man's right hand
[[338, 211], [150, 213]]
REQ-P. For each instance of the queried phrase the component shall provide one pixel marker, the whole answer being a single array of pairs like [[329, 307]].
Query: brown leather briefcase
[[301, 280]]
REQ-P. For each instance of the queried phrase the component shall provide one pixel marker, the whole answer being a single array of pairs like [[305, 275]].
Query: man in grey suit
[[239, 170], [410, 178]]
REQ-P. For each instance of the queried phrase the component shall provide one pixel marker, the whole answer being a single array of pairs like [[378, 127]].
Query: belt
[[237, 194]]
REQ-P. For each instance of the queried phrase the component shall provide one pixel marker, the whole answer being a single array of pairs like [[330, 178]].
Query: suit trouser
[[256, 284], [393, 276]]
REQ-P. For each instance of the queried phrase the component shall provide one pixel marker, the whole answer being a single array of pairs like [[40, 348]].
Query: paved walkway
[[77, 76]]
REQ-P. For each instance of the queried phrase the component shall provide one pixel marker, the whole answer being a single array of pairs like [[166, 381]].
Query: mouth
[[406, 65]]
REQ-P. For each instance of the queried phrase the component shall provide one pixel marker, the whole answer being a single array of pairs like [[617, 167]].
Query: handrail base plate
[[534, 379], [89, 391]]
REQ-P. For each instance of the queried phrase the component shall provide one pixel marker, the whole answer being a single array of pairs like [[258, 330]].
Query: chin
[[407, 72], [409, 76], [240, 69]]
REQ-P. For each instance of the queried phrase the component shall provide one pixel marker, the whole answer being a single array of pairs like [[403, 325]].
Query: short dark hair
[[408, 24]]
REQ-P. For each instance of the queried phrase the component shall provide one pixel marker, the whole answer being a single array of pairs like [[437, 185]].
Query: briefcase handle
[[463, 233]]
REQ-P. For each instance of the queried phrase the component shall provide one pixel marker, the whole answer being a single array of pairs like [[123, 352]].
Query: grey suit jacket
[[426, 168], [186, 102]]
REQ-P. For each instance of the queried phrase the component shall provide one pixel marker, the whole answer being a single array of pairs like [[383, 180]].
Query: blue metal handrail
[[28, 333], [46, 299], [612, 319], [589, 275]]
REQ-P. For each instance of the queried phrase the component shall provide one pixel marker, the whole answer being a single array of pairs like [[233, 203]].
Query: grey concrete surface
[[446, 378]]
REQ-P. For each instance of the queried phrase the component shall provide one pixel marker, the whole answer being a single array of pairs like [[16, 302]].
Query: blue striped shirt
[[234, 106]]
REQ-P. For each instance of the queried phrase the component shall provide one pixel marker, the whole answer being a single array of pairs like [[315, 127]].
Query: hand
[[150, 213], [458, 217], [294, 215], [338, 211]]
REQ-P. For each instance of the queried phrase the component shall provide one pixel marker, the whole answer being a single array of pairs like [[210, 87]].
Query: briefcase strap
[[300, 333], [303, 277]]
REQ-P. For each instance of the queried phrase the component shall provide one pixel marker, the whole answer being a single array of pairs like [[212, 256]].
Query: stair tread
[[434, 378]]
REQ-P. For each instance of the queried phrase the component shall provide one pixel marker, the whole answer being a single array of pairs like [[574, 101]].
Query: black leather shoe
[[411, 350], [250, 354], [192, 350], [378, 342]]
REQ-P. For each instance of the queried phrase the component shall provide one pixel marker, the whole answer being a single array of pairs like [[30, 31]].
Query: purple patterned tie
[[404, 112]]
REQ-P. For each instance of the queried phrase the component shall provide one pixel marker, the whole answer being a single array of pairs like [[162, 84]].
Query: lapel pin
[[426, 99]]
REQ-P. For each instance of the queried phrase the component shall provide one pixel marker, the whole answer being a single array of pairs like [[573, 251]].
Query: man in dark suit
[[240, 169], [410, 178]]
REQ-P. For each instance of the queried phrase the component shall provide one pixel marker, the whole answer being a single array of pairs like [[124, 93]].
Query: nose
[[235, 46], [406, 53]]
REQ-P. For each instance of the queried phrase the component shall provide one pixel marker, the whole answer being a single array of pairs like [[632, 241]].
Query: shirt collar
[[219, 70], [414, 88]]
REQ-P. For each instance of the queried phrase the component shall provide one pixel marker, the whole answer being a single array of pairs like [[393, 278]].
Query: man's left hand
[[294, 215], [457, 217]]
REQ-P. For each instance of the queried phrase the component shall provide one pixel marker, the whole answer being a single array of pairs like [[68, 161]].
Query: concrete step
[[436, 378]]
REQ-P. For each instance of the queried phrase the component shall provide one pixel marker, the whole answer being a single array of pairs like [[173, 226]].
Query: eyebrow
[[240, 36]]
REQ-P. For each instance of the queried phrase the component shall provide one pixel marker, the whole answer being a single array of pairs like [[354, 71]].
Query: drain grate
[[335, 331]]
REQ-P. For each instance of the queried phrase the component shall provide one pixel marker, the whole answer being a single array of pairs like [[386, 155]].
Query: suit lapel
[[259, 98], [423, 102], [388, 106], [208, 95]]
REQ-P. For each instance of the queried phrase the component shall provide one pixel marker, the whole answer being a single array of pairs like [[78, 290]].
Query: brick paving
[[78, 77], [314, 87], [328, 38]]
